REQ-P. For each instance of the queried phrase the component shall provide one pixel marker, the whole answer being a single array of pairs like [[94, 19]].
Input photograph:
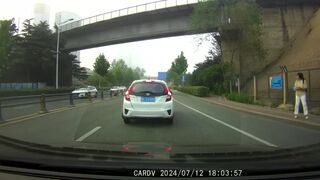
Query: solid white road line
[[88, 134], [230, 126]]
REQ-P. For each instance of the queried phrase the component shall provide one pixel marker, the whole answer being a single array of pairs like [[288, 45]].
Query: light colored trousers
[[303, 100]]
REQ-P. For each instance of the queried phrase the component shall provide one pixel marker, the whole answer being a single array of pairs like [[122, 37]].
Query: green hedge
[[200, 91], [26, 92], [243, 98]]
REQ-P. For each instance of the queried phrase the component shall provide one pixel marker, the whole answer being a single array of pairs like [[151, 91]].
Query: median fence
[[25, 105], [278, 86]]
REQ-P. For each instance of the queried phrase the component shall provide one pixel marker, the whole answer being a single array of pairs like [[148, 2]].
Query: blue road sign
[[276, 82], [183, 78], [162, 76]]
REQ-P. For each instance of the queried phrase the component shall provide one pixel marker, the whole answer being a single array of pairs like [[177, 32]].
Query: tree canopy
[[124, 75], [178, 67], [101, 65], [7, 41], [31, 55], [234, 19]]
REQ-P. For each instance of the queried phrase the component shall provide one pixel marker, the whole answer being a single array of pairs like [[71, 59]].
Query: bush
[[26, 92], [275, 104], [243, 98], [200, 91], [260, 103]]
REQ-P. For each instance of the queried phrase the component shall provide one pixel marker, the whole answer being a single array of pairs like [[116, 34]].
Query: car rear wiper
[[146, 92]]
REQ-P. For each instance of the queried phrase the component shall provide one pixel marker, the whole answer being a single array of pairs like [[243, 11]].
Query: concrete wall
[[302, 54], [280, 25]]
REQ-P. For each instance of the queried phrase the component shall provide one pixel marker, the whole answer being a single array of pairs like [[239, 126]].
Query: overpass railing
[[127, 11]]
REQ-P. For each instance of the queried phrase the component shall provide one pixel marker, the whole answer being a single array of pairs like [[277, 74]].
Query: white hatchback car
[[84, 92], [148, 99]]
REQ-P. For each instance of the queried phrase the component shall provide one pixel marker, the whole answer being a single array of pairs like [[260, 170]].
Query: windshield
[[172, 80]]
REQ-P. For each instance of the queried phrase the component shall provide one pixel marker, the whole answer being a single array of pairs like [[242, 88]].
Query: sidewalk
[[314, 120]]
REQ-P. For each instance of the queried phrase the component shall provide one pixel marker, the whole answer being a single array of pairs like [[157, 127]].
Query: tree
[[234, 19], [139, 72], [101, 65], [97, 80], [212, 73], [78, 71], [180, 64], [32, 57], [121, 74], [178, 68], [7, 41]]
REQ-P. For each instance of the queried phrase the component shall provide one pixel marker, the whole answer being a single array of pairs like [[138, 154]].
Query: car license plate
[[148, 99]]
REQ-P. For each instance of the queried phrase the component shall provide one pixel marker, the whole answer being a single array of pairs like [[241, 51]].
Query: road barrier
[[42, 100], [102, 95], [1, 119], [89, 97], [43, 106], [71, 100]]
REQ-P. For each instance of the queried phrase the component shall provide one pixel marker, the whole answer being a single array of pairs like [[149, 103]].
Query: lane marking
[[230, 126], [54, 111], [83, 137], [253, 112], [33, 117], [36, 115]]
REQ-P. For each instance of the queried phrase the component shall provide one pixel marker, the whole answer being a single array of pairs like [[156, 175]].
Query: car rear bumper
[[165, 112], [148, 114]]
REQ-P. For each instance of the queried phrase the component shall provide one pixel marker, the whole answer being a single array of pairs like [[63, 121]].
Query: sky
[[153, 55]]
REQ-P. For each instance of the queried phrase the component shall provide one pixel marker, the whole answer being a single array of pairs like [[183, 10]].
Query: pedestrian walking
[[300, 88]]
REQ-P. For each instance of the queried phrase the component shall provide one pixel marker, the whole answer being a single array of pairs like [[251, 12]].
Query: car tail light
[[168, 93], [169, 97], [168, 149], [125, 148], [127, 94]]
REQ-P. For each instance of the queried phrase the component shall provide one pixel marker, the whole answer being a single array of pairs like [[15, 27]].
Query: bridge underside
[[147, 25], [166, 22]]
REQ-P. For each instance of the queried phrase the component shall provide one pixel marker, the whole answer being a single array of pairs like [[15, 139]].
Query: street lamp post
[[57, 57]]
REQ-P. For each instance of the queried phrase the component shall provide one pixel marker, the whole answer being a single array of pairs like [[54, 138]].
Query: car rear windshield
[[153, 88]]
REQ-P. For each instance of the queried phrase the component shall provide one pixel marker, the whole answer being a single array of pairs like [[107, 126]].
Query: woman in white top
[[300, 87]]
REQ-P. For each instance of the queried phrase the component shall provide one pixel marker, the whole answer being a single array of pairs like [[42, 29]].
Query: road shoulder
[[313, 121]]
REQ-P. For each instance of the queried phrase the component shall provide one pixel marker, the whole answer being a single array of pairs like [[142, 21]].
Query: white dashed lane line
[[83, 137], [230, 126]]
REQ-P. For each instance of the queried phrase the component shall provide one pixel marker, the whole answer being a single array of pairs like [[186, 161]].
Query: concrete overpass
[[147, 21]]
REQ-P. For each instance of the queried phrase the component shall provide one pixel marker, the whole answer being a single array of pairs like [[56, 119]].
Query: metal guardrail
[[42, 100], [127, 11]]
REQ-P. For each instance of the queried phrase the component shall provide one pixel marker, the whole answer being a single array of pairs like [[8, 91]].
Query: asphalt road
[[197, 123], [12, 109]]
